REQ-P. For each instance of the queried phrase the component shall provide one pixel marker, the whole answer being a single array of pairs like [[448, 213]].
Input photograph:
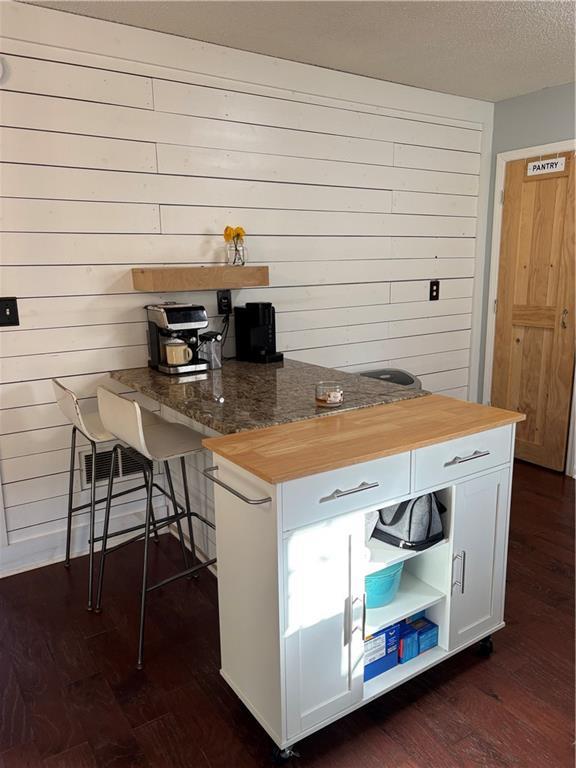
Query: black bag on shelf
[[412, 524]]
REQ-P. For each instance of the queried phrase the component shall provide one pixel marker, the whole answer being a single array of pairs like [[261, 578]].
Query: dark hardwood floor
[[70, 696]]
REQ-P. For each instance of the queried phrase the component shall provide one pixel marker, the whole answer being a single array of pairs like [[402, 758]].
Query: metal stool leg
[[156, 537], [92, 522], [176, 512], [70, 496], [188, 512], [153, 521], [144, 593], [98, 606]]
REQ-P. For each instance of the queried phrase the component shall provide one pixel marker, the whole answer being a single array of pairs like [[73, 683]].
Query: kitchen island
[[291, 503]]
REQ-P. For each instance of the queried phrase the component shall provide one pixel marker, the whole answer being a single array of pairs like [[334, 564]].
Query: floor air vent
[[125, 468]]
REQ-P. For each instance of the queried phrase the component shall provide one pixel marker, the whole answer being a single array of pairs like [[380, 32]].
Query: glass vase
[[236, 254]]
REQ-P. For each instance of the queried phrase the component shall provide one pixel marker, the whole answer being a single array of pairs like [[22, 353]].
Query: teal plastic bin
[[382, 586]]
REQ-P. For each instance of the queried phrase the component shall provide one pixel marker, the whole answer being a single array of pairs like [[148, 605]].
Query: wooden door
[[324, 587], [534, 340], [479, 543]]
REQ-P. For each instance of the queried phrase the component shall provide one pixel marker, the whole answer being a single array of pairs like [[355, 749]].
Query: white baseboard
[[46, 546], [200, 554], [49, 548]]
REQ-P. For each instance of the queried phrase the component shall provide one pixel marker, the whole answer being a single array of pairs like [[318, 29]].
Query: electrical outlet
[[434, 290], [9, 311], [224, 299]]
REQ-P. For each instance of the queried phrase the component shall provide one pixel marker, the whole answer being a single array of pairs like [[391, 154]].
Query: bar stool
[[89, 424], [156, 440]]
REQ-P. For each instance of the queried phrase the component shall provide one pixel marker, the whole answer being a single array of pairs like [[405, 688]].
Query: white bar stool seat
[[93, 427], [89, 424], [148, 440], [165, 440], [85, 421]]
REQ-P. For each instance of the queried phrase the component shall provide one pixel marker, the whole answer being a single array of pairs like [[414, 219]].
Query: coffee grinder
[[173, 337], [255, 327]]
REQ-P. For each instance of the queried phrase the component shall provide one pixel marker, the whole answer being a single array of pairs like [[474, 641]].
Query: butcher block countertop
[[288, 451]]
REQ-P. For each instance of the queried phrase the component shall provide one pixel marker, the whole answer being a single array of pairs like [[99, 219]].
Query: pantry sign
[[545, 167]]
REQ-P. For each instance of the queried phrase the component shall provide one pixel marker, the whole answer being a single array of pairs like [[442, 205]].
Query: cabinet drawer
[[317, 497], [453, 459]]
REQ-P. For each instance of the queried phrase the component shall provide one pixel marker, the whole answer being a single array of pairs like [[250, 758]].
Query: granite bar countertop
[[259, 395]]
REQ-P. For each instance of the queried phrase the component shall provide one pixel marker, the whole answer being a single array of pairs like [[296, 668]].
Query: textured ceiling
[[486, 50]]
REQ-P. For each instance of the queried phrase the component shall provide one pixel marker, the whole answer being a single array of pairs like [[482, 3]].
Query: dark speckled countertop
[[258, 396]]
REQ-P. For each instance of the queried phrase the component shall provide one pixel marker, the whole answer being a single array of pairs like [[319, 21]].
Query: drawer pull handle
[[338, 494], [231, 490], [463, 459]]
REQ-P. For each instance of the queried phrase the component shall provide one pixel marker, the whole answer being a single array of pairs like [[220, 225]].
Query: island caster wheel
[[281, 756], [486, 647]]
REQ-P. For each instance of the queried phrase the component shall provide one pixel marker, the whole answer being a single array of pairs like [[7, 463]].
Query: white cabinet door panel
[[324, 585], [480, 534]]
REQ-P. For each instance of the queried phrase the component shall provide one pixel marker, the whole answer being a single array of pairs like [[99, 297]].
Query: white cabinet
[[291, 569], [479, 538], [324, 586]]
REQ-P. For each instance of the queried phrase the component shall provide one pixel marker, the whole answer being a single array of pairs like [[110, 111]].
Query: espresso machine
[[173, 338]]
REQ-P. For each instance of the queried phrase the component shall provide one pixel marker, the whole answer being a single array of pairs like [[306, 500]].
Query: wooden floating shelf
[[170, 279]]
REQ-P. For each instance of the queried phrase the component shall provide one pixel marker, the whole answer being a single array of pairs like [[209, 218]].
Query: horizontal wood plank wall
[[355, 195]]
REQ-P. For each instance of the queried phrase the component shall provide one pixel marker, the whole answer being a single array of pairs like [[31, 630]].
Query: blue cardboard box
[[427, 634], [408, 644], [381, 651]]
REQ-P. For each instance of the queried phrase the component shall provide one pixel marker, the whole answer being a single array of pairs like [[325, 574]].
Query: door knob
[[564, 318]]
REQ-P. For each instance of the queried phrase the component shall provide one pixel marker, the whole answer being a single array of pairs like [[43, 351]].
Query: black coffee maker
[[255, 328], [173, 337]]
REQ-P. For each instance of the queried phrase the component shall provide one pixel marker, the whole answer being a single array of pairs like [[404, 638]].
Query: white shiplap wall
[[121, 146]]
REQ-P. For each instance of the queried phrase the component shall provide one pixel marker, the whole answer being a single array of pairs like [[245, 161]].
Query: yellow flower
[[239, 233], [229, 234]]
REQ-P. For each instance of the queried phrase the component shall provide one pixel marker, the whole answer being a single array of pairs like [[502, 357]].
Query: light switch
[[434, 290], [9, 311]]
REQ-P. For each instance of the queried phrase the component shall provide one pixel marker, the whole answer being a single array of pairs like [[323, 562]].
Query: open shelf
[[413, 595], [397, 675], [382, 555], [170, 279]]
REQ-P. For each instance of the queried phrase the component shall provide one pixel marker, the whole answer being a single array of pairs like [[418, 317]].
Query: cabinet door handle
[[338, 494], [347, 621], [349, 628], [231, 490], [461, 582], [564, 318], [463, 459]]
